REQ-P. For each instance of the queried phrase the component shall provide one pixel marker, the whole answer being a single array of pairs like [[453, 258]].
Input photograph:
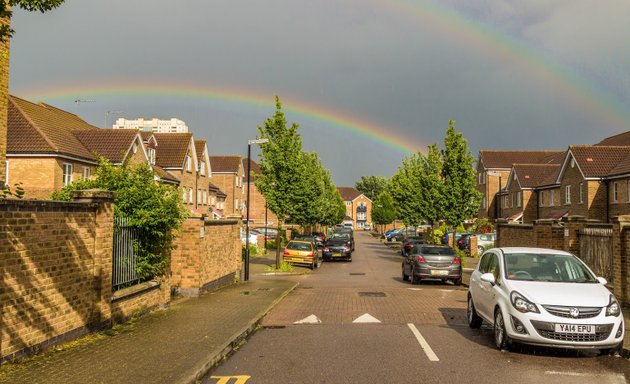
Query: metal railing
[[125, 263]]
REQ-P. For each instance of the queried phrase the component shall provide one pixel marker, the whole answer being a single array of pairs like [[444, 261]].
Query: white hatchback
[[543, 297]]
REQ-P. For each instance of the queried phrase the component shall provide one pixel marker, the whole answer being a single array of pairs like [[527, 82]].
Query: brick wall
[[621, 258], [207, 255], [257, 208], [227, 182], [4, 99], [515, 235]]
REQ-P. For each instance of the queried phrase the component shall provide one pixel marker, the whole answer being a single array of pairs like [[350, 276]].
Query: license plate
[[337, 254], [439, 272], [576, 328]]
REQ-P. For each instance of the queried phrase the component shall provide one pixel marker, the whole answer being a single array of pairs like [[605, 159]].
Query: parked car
[[313, 239], [320, 236], [253, 238], [445, 237], [543, 297], [302, 253], [338, 246], [367, 227], [409, 242], [395, 235], [464, 241], [269, 233], [432, 262], [348, 232], [485, 241]]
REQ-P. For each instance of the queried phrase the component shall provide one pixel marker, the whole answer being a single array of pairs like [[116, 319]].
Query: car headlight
[[521, 304], [613, 308]]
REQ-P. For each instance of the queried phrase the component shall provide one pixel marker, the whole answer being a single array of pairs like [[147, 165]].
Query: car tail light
[[325, 249], [310, 255], [420, 259], [286, 253], [346, 249], [457, 261]]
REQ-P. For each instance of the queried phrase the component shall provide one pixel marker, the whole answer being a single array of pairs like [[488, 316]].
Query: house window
[[542, 198], [519, 199], [188, 164], [205, 198], [581, 193], [87, 172], [506, 202], [190, 195], [67, 173], [615, 192], [184, 194], [151, 153], [199, 201], [567, 194], [203, 168], [480, 178], [551, 198], [348, 203], [483, 202]]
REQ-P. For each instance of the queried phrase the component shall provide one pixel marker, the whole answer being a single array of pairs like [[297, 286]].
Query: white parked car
[[253, 237], [485, 241], [544, 297]]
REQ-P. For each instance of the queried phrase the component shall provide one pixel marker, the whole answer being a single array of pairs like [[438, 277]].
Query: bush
[[284, 267], [482, 225], [462, 256]]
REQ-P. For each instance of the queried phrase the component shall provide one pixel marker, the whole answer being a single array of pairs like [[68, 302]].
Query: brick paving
[[176, 345]]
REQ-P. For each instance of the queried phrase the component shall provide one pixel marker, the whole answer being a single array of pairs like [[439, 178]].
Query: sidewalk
[[176, 345]]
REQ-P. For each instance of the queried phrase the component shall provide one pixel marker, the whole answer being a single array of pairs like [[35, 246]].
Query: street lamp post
[[249, 156]]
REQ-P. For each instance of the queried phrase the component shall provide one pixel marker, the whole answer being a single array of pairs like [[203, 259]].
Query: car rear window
[[298, 246], [437, 251]]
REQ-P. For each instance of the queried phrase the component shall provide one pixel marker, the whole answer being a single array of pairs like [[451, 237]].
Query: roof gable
[[491, 159], [225, 164], [535, 175], [595, 161], [173, 148], [348, 193], [112, 144]]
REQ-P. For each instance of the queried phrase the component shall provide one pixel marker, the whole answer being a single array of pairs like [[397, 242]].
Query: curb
[[226, 349]]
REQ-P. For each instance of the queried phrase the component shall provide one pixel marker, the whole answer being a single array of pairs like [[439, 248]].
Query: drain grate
[[372, 294], [306, 287], [264, 289], [357, 273]]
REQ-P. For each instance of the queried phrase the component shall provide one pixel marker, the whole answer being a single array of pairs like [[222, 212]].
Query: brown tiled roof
[[146, 135], [622, 168], [254, 167], [163, 175], [41, 128], [534, 175], [348, 193], [225, 164], [505, 159], [199, 146], [112, 144], [171, 149], [622, 139], [598, 161]]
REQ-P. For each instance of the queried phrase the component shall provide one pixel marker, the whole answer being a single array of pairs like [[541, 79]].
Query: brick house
[[203, 177], [520, 196], [259, 215], [358, 207], [493, 171], [176, 154], [217, 201], [48, 148], [227, 174]]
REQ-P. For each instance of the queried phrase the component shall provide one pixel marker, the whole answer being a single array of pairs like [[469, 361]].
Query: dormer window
[[188, 163], [203, 168]]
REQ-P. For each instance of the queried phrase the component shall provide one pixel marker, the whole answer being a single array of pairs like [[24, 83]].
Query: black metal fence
[[125, 263]]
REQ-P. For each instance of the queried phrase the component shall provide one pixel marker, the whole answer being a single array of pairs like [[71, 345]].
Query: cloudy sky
[[367, 80]]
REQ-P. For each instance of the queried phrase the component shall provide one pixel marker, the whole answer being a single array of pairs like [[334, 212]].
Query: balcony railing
[[362, 209]]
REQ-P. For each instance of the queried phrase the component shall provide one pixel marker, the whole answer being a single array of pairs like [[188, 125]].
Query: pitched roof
[[534, 175], [225, 164], [171, 149], [505, 159], [199, 147], [163, 175], [622, 139], [112, 144], [598, 161], [41, 128], [348, 193], [254, 167]]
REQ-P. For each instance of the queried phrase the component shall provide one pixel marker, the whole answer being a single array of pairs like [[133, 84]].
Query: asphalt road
[[359, 322]]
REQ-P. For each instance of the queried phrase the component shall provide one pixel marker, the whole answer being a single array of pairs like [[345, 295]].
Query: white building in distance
[[154, 124]]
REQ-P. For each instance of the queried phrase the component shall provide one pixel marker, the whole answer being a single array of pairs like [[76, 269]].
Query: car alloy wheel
[[412, 277], [474, 321], [501, 339], [405, 277]]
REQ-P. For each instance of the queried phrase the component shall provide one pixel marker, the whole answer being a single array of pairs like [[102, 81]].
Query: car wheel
[[474, 320], [413, 278], [457, 281], [501, 339], [479, 250], [404, 276], [615, 351]]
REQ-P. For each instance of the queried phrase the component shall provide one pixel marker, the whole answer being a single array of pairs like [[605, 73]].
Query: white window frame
[[483, 202], [205, 197], [67, 173], [567, 194], [541, 203], [190, 196], [581, 193], [551, 198], [87, 172], [188, 163], [151, 153], [615, 192], [184, 194], [199, 198], [203, 168], [519, 199]]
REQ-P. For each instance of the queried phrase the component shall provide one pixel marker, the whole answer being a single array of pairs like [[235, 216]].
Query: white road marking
[[423, 343], [618, 376], [415, 289], [366, 318], [312, 319]]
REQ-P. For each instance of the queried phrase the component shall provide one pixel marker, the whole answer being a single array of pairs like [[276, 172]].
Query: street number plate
[[585, 329], [439, 272]]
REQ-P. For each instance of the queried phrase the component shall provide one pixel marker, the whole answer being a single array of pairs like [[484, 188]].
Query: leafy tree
[[383, 211], [431, 186], [371, 186], [30, 5], [281, 168], [154, 209], [333, 208], [309, 192], [404, 189], [461, 199]]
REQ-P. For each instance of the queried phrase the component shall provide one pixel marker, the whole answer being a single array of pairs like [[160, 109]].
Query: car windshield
[[340, 236], [547, 267], [299, 246], [437, 251]]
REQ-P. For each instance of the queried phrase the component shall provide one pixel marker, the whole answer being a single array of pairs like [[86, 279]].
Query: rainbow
[[380, 135], [559, 80]]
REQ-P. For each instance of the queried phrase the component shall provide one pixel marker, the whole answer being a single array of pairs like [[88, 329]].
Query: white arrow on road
[[312, 319], [366, 318]]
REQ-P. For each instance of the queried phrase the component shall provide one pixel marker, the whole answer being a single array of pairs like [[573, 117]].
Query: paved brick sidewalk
[[176, 345]]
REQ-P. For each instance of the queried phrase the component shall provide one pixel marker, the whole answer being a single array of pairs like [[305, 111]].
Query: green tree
[[154, 209], [431, 185], [461, 199], [281, 168], [30, 5], [371, 186], [404, 188], [383, 211], [309, 192]]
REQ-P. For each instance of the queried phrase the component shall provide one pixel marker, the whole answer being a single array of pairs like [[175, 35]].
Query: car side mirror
[[602, 281], [488, 278]]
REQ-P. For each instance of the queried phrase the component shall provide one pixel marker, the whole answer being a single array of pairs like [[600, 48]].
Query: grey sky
[[404, 66]]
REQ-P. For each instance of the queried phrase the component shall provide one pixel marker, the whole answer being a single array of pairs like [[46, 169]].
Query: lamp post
[[498, 209], [249, 156]]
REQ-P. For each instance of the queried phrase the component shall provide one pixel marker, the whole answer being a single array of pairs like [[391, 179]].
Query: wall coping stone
[[45, 205], [220, 222], [621, 219], [134, 290], [94, 196]]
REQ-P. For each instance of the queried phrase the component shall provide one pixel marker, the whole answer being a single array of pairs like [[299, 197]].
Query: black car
[[463, 242], [409, 242], [432, 262], [338, 246], [347, 231]]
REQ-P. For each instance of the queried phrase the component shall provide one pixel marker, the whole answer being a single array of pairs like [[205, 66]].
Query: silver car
[[432, 262]]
